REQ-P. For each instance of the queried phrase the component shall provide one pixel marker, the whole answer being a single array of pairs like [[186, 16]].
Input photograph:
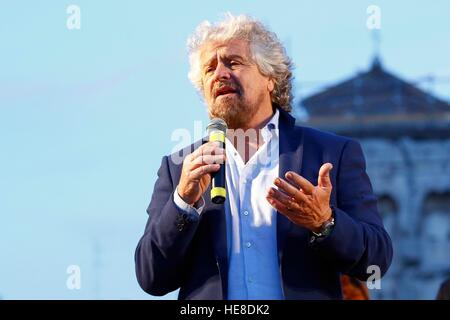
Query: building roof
[[376, 99]]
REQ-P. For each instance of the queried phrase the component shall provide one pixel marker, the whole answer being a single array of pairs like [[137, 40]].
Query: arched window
[[435, 231], [388, 209]]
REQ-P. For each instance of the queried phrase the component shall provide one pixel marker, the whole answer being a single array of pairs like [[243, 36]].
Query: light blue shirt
[[254, 271]]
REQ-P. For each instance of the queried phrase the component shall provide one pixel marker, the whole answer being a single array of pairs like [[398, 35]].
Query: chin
[[234, 117], [232, 110]]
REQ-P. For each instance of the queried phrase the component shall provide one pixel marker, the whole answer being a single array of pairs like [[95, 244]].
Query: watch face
[[327, 228]]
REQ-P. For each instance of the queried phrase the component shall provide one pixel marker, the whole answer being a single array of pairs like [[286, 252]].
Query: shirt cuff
[[196, 209]]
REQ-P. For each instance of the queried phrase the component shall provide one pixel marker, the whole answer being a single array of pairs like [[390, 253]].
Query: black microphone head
[[216, 124]]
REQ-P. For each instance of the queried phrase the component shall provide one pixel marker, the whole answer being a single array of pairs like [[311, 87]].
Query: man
[[299, 210]]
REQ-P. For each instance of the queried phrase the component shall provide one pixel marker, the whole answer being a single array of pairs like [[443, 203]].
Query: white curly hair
[[265, 47]]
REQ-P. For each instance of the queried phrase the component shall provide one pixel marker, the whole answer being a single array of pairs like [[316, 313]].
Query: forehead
[[235, 47]]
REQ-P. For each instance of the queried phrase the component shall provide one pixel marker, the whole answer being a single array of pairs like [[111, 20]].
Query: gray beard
[[236, 112]]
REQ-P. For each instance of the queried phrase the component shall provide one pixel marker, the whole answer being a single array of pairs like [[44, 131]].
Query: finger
[[209, 159], [282, 197], [278, 205], [303, 183], [324, 180], [211, 148], [208, 148], [290, 190], [198, 173], [283, 209]]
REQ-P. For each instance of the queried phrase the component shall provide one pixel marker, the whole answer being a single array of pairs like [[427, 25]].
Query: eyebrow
[[228, 57]]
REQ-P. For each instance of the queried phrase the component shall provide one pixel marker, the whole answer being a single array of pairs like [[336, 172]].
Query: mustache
[[230, 84]]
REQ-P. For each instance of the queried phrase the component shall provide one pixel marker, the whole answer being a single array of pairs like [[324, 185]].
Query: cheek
[[246, 83], [252, 83], [254, 88], [207, 90]]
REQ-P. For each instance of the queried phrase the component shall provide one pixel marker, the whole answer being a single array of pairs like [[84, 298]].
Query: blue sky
[[86, 115]]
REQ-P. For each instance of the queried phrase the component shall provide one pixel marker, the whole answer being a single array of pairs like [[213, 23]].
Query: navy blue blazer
[[192, 255]]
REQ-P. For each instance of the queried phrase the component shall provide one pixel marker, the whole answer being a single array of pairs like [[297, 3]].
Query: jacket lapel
[[213, 216], [291, 155], [217, 223]]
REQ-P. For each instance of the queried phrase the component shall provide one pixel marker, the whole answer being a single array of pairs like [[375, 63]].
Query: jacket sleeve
[[161, 253], [358, 239]]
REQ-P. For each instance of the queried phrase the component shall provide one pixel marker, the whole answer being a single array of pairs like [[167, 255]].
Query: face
[[233, 87]]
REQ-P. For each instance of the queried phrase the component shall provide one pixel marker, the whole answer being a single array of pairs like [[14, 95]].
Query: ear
[[270, 85]]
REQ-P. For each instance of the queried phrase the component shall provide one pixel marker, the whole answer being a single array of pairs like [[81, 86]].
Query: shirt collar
[[271, 128]]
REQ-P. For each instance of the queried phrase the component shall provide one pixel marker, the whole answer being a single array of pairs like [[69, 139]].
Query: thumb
[[324, 180]]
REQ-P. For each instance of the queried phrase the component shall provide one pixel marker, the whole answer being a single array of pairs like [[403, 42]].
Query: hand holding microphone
[[205, 161]]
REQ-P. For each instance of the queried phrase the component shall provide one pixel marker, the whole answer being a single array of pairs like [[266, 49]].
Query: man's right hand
[[195, 175]]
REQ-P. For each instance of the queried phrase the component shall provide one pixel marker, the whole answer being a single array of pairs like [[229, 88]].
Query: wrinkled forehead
[[230, 48]]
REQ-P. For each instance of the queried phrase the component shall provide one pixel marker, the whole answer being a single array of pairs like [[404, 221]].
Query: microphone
[[217, 129]]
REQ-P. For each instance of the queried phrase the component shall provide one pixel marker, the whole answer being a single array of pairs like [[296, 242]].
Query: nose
[[222, 72]]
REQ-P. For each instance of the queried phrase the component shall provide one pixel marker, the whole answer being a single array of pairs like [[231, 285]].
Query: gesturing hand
[[300, 201]]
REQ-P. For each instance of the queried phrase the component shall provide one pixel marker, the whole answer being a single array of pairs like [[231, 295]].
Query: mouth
[[224, 91]]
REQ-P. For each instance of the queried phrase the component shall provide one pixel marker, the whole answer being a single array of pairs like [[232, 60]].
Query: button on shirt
[[254, 271]]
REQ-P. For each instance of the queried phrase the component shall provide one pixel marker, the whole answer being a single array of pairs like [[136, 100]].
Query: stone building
[[405, 134]]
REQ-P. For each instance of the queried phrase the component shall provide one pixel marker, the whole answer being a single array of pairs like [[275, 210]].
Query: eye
[[208, 70], [234, 63]]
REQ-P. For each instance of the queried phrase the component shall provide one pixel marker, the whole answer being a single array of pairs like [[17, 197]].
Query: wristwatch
[[326, 227]]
